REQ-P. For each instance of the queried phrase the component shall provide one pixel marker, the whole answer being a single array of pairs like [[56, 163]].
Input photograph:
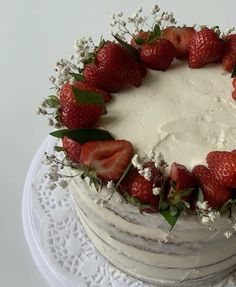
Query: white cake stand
[[59, 246]]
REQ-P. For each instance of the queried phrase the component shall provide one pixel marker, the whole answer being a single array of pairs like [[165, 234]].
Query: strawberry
[[143, 36], [72, 149], [180, 38], [234, 82], [100, 78], [118, 63], [109, 158], [88, 88], [205, 47], [229, 53], [158, 55], [76, 115], [182, 177], [234, 94], [222, 165], [142, 189], [214, 193]]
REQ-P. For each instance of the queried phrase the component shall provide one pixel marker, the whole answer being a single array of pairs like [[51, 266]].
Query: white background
[[33, 36]]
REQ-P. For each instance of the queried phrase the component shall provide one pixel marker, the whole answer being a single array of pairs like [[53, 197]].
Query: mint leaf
[[234, 71], [91, 98], [156, 33], [131, 50], [171, 219], [78, 77], [83, 135]]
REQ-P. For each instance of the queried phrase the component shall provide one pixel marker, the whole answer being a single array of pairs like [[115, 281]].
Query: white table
[[34, 35]]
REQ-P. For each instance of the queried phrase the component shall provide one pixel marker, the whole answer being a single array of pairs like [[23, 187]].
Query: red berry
[[214, 193], [137, 186], [118, 63], [98, 77], [109, 158], [76, 115], [234, 82], [141, 35], [180, 38], [234, 94], [182, 177], [205, 47], [158, 55], [229, 53], [72, 148], [222, 165]]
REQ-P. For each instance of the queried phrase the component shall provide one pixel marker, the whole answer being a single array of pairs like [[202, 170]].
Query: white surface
[[34, 34]]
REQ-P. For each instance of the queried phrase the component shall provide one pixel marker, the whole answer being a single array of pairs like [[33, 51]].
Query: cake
[[177, 127]]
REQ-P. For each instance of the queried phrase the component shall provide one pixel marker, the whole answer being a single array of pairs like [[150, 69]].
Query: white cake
[[183, 113]]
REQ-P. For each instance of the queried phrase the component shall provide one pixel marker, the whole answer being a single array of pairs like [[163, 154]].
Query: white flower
[[110, 184], [136, 162], [146, 173], [156, 190], [234, 227], [205, 220], [202, 205], [228, 234]]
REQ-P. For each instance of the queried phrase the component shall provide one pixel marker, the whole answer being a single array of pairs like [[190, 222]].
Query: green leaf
[[89, 58], [78, 77], [91, 98], [139, 40], [156, 33], [173, 184], [171, 219], [200, 196], [234, 71], [83, 135], [131, 50], [58, 148], [52, 102]]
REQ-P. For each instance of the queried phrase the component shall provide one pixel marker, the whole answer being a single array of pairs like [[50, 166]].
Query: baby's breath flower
[[63, 184], [202, 205], [205, 220], [156, 190], [228, 234], [110, 184]]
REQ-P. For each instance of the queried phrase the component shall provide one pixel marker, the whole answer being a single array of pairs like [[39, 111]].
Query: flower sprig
[[137, 22]]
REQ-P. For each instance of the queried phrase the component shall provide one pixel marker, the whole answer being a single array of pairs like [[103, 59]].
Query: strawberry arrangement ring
[[83, 89]]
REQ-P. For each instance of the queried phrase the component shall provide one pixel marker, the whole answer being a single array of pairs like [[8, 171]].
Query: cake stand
[[60, 248]]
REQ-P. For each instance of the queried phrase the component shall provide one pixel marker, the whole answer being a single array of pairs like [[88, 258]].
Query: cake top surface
[[183, 113]]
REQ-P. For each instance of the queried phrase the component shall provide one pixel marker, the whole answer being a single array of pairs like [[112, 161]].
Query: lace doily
[[58, 244]]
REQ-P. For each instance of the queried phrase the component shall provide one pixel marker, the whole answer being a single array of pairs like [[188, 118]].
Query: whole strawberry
[[139, 39], [229, 53], [205, 47], [74, 114], [141, 188], [180, 37], [72, 149], [213, 191], [222, 165], [158, 55]]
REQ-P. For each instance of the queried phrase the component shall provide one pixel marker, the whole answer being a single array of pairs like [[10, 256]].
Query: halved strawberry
[[180, 38], [205, 47], [72, 149], [100, 78], [229, 53], [109, 158], [182, 177], [222, 165], [142, 36], [142, 189], [214, 193], [74, 114]]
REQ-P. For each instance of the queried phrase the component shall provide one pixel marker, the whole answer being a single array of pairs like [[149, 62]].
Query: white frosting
[[184, 113]]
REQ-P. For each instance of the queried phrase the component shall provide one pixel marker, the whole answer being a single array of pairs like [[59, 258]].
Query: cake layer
[[183, 113], [142, 245]]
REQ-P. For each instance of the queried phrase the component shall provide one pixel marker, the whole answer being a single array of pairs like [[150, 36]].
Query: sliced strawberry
[[72, 148], [222, 165], [118, 63], [108, 158], [182, 177], [180, 38], [229, 53], [143, 36], [88, 88], [100, 78], [205, 47], [158, 55], [214, 193], [142, 189]]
